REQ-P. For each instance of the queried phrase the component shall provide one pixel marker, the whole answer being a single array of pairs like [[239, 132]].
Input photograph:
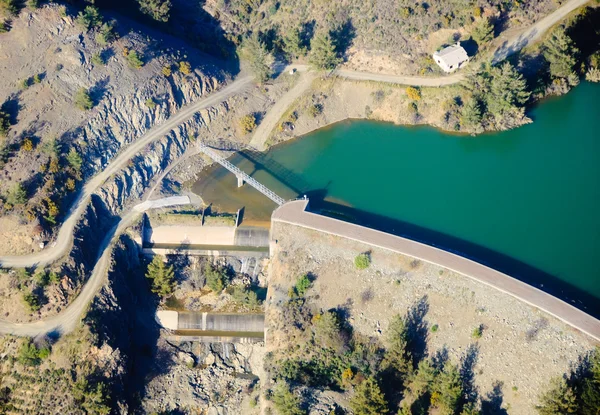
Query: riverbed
[[524, 201]]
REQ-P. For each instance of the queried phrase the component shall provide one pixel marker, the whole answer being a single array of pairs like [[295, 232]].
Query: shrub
[[3, 27], [37, 79], [90, 17], [184, 67], [30, 355], [83, 100], [74, 160], [477, 332], [435, 328], [134, 59], [70, 184], [98, 59], [150, 103], [161, 275], [24, 84], [34, 4], [248, 123], [27, 145], [413, 93], [315, 110], [17, 195], [362, 261], [302, 285], [32, 301], [166, 70]]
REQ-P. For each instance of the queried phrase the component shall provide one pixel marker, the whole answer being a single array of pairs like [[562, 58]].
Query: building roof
[[452, 55]]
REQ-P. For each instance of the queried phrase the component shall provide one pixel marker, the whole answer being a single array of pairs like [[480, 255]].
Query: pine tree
[[483, 31], [90, 17], [397, 355], [447, 390], [83, 100], [17, 195], [293, 44], [159, 10], [286, 402], [559, 400], [259, 59], [161, 276], [590, 391], [470, 114], [368, 399], [4, 123], [323, 54], [508, 90], [422, 380], [560, 53]]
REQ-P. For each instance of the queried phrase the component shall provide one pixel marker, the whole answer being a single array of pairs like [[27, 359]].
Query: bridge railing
[[241, 174]]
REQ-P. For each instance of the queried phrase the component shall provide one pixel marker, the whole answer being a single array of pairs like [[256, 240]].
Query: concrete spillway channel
[[213, 327]]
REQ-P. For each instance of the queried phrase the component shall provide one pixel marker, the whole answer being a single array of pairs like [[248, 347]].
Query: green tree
[[9, 6], [161, 275], [508, 90], [17, 195], [397, 355], [98, 59], [134, 59], [83, 100], [216, 278], [470, 114], [560, 53], [4, 123], [590, 389], [29, 355], [106, 33], [157, 9], [422, 379], [293, 44], [559, 400], [74, 160], [447, 390], [32, 301], [362, 261], [368, 399], [483, 31], [302, 285], [245, 296], [255, 53], [90, 17], [323, 54], [328, 331], [286, 402]]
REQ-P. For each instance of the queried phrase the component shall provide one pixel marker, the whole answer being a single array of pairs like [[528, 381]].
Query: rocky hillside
[[53, 141]]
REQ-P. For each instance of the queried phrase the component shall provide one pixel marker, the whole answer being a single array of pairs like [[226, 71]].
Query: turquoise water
[[523, 201]]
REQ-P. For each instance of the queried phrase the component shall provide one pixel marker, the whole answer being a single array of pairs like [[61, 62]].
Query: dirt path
[[65, 236], [262, 133], [69, 318]]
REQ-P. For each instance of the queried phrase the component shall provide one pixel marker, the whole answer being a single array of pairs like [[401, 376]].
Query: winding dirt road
[[64, 239], [69, 318]]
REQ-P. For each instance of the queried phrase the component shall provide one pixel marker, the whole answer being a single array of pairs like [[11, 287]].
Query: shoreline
[[296, 213]]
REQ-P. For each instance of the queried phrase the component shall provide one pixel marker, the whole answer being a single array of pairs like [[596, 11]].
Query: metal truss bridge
[[242, 177]]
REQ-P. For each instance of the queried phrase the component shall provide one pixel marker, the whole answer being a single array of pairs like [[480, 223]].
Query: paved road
[[64, 240], [295, 213]]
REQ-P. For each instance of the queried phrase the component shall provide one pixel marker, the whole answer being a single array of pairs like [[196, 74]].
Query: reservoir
[[525, 201]]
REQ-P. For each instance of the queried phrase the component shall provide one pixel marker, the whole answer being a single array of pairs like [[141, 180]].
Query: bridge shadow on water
[[498, 261]]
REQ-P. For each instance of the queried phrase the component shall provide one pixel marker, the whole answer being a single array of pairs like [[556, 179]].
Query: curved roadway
[[67, 319]]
